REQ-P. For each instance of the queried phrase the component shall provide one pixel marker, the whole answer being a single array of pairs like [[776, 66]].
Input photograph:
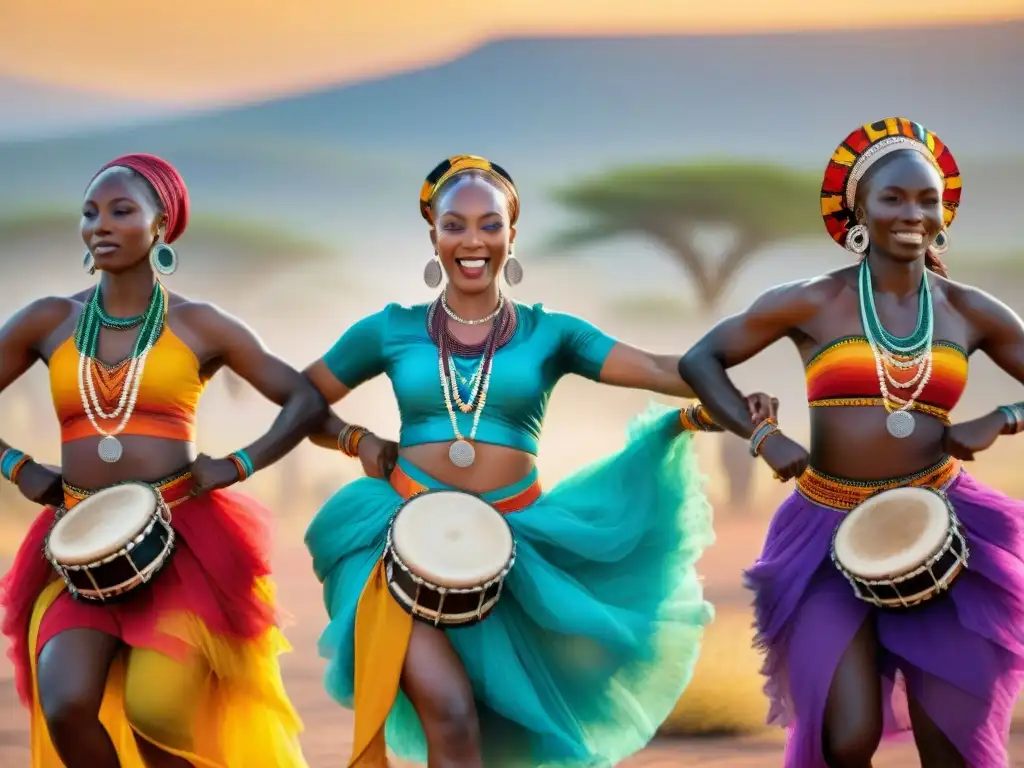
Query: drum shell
[[423, 600], [919, 585], [116, 577]]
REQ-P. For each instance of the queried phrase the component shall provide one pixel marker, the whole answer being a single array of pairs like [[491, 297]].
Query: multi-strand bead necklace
[[461, 452], [87, 337], [911, 356]]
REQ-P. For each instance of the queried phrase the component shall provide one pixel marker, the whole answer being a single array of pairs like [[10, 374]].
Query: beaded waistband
[[854, 402], [174, 490], [842, 494]]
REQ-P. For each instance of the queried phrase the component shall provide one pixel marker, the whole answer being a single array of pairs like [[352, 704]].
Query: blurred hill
[[547, 108]]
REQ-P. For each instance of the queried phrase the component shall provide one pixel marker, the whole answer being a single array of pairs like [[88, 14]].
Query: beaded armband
[[11, 463], [349, 439], [695, 418], [1014, 417], [762, 432], [243, 464]]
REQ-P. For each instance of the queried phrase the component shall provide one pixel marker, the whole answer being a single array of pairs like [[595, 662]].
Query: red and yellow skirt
[[213, 602]]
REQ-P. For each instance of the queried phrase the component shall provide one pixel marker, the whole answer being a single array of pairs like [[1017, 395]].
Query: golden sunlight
[[195, 51]]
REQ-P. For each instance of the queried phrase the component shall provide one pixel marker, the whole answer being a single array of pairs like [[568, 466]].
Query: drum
[[112, 542], [447, 556], [900, 547]]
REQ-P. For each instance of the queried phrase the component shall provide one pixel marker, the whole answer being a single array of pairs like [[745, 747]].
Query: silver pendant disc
[[900, 424], [462, 454], [110, 449]]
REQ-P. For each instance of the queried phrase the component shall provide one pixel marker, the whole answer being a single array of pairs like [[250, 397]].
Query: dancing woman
[[186, 670], [886, 346], [600, 620]]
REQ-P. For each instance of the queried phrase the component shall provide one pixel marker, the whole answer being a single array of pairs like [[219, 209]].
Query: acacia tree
[[761, 206]]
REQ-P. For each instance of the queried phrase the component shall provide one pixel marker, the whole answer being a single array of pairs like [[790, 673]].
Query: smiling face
[[473, 234], [900, 202], [121, 220]]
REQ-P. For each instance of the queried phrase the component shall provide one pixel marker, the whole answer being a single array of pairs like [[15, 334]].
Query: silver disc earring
[[941, 243], [513, 270], [432, 273], [163, 259], [857, 240], [88, 263]]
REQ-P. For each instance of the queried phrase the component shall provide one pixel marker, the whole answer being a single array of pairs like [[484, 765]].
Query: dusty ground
[[327, 736]]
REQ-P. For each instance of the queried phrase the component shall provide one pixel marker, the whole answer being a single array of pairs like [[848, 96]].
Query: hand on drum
[[378, 456], [787, 457], [762, 407], [41, 483], [209, 474], [964, 440]]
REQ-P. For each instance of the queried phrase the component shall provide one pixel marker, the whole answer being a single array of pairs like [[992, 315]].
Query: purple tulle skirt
[[961, 657]]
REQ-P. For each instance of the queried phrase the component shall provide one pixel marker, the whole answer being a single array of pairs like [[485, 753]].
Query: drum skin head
[[892, 533], [452, 539], [101, 524]]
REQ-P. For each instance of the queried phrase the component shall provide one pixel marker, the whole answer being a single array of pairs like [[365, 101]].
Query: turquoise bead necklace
[[901, 353], [87, 337]]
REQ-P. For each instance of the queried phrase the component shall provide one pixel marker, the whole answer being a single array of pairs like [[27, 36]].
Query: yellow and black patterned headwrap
[[459, 164]]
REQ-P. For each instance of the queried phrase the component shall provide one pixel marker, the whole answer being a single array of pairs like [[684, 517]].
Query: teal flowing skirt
[[600, 622]]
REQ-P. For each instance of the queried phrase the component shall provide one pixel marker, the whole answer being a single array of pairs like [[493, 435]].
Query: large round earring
[[513, 269], [163, 259], [941, 243], [432, 273], [88, 263], [857, 240]]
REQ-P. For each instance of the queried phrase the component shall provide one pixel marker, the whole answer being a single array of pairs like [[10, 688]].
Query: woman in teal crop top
[[600, 619]]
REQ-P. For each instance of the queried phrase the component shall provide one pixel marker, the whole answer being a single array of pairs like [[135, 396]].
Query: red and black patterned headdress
[[866, 146]]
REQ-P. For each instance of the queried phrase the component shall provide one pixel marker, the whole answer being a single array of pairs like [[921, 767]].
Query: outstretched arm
[[774, 315], [302, 407], [634, 368]]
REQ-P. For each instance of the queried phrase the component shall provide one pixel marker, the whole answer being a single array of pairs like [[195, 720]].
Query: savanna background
[[669, 164]]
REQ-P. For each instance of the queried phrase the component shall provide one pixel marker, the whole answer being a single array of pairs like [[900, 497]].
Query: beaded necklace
[[87, 337], [891, 352], [461, 452]]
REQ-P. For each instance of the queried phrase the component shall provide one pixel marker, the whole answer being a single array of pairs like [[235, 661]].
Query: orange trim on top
[[141, 424]]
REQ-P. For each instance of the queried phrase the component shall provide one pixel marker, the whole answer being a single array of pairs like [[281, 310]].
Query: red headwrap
[[167, 183]]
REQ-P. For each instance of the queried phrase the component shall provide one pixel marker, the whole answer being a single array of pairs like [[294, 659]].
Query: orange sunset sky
[[193, 51]]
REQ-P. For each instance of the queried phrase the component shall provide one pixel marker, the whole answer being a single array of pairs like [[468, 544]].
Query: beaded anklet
[[11, 463], [243, 464], [695, 418], [1014, 417], [349, 439], [762, 432]]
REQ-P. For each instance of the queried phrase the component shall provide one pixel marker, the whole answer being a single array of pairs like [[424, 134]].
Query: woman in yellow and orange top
[[185, 672]]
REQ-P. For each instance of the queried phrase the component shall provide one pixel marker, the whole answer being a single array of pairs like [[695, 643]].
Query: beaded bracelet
[[1014, 417], [762, 432], [11, 463], [695, 418], [243, 464], [349, 439]]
